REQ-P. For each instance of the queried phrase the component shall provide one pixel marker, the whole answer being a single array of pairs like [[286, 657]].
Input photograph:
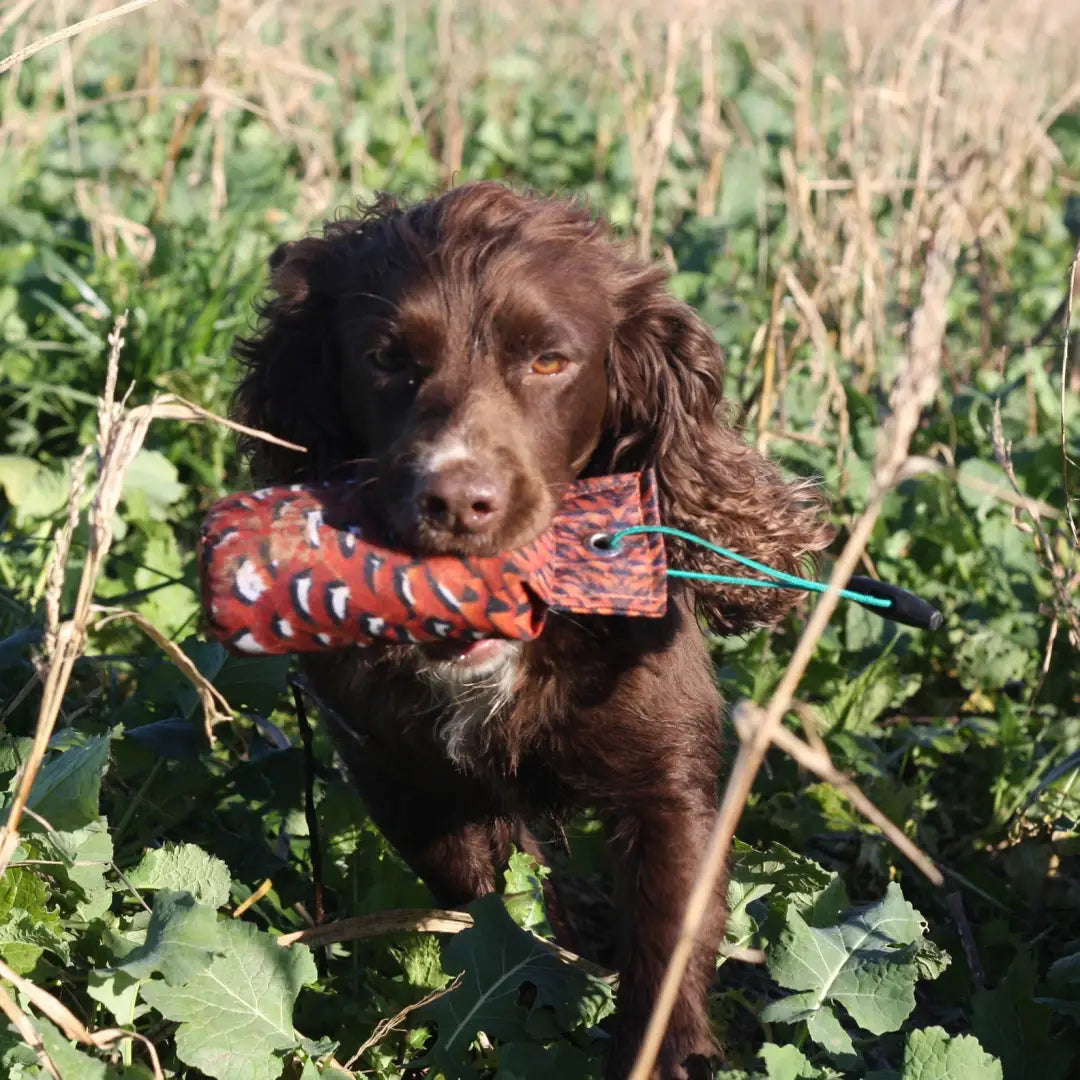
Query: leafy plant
[[158, 871]]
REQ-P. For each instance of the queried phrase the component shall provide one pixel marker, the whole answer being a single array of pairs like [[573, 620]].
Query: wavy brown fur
[[401, 345]]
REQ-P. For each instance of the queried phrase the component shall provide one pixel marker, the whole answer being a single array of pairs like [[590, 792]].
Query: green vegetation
[[797, 172]]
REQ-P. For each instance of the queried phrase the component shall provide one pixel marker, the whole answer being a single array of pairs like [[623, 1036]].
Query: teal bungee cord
[[888, 601]]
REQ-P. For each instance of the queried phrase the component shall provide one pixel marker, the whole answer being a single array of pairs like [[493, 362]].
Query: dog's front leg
[[664, 842]]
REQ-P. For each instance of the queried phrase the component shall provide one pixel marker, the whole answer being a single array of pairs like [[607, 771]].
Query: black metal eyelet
[[603, 545]]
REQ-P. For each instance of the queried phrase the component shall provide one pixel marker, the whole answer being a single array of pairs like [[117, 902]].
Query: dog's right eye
[[394, 369], [387, 361]]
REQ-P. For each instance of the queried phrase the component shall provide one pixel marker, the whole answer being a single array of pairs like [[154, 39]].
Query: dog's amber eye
[[548, 364]]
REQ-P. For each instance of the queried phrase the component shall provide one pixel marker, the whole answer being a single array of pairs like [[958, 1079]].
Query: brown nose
[[459, 498]]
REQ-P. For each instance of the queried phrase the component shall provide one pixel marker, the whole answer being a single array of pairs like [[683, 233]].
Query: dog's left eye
[[548, 364]]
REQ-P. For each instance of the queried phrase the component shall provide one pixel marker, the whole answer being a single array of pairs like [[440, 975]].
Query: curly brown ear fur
[[292, 358], [666, 410]]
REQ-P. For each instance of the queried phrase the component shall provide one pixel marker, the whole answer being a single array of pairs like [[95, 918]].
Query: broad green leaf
[[763, 114], [236, 1016], [119, 993], [67, 790], [173, 607], [1065, 968], [824, 1027], [496, 958], [977, 482], [15, 1056], [777, 873], [931, 1054], [787, 1063], [930, 959], [988, 659], [27, 926], [69, 1060], [255, 683], [864, 963], [1011, 1023], [181, 941], [87, 857], [879, 686], [151, 486], [13, 753], [34, 490], [184, 867]]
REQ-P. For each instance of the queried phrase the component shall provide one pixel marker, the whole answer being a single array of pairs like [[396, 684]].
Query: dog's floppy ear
[[292, 389], [292, 365], [666, 411]]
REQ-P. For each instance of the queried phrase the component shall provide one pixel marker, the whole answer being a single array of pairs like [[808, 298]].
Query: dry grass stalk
[[1067, 461], [120, 436], [1064, 571], [69, 1023], [25, 1027], [814, 756], [65, 641], [439, 921], [68, 32], [661, 131], [216, 710], [417, 920], [388, 1024], [914, 391]]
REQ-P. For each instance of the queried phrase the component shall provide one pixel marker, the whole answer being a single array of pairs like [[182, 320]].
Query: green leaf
[[527, 1061], [187, 868], [779, 874], [988, 659], [930, 1054], [977, 482], [69, 1061], [34, 490], [27, 926], [1010, 1023], [788, 1063], [496, 958], [236, 1016], [87, 856], [524, 893], [253, 683], [1065, 968], [13, 753], [119, 993], [879, 686], [823, 1026], [763, 114], [67, 790], [420, 956], [864, 963], [930, 959], [151, 486], [181, 941], [739, 192]]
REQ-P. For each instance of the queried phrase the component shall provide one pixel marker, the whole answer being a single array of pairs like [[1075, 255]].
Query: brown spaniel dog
[[469, 356]]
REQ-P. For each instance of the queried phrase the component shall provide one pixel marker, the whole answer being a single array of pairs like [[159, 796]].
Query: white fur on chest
[[474, 700]]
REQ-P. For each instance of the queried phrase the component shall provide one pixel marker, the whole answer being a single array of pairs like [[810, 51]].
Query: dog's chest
[[474, 709]]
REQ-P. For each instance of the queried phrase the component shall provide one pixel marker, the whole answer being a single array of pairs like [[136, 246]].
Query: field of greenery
[[851, 193]]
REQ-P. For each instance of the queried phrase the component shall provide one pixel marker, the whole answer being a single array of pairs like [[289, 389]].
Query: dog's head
[[474, 353]]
